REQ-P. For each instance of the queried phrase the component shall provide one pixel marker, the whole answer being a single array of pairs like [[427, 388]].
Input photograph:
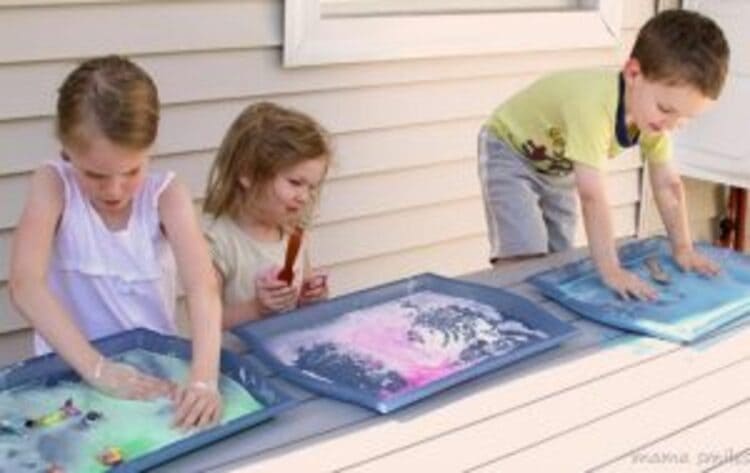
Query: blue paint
[[688, 307]]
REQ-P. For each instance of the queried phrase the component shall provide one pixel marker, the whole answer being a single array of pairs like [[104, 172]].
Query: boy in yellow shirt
[[549, 145]]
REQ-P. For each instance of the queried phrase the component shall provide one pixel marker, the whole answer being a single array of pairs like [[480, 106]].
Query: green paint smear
[[135, 427]]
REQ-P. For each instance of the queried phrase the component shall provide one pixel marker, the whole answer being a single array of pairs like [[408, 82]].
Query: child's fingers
[[285, 302], [271, 304], [161, 387], [205, 416], [218, 412], [317, 282], [143, 389], [195, 413], [203, 409], [642, 291], [122, 380], [282, 291], [209, 416], [709, 268], [276, 296], [629, 286], [279, 300], [315, 292], [272, 284], [269, 276], [185, 403], [290, 299], [622, 294], [270, 272], [637, 294], [201, 420], [709, 271], [698, 263]]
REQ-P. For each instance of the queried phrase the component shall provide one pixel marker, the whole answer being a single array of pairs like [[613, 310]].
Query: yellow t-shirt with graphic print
[[571, 116]]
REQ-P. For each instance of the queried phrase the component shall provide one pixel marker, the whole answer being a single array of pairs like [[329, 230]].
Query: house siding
[[403, 196]]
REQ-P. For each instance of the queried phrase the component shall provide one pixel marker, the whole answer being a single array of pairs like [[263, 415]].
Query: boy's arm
[[29, 290], [596, 218], [591, 187], [669, 194]]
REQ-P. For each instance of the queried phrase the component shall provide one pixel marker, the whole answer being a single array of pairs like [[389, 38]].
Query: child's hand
[[627, 285], [197, 405], [124, 381], [314, 288], [273, 294], [691, 260]]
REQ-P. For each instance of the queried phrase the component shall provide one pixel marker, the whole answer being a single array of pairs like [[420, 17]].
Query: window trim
[[310, 39]]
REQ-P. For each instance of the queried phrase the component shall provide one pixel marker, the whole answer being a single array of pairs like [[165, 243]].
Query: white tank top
[[111, 281]]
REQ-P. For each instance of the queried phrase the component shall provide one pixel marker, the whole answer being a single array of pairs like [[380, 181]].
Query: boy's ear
[[632, 68]]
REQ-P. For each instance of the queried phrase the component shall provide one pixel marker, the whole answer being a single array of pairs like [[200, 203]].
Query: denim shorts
[[527, 212]]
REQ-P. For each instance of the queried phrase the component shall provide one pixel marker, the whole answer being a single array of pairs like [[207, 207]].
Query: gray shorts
[[527, 212]]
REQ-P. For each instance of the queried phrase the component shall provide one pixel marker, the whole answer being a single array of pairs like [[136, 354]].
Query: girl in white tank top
[[100, 239], [113, 280]]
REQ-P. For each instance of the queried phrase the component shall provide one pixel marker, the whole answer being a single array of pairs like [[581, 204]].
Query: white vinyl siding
[[403, 196]]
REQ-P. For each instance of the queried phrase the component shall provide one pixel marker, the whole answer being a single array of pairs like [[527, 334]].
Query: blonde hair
[[261, 142], [112, 96]]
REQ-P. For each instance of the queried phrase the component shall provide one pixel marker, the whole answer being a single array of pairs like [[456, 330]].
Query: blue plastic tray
[[345, 378], [52, 369], [688, 308]]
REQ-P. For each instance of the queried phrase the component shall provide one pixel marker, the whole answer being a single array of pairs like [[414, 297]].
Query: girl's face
[[108, 174], [292, 190]]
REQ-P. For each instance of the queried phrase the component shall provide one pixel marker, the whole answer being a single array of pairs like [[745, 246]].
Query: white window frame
[[311, 39]]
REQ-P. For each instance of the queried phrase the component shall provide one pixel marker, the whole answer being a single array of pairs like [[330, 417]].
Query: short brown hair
[[683, 47], [112, 96], [262, 141]]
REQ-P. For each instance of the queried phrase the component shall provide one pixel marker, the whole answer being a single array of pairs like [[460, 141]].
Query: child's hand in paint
[[273, 294], [124, 381], [197, 405], [314, 288], [628, 285], [691, 260]]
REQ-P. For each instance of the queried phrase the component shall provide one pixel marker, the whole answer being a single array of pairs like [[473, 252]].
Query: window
[[331, 31], [333, 8]]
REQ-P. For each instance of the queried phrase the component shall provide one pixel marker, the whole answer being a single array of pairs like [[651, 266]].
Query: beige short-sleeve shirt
[[240, 258]]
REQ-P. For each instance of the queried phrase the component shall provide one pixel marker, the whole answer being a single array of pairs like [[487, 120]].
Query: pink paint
[[381, 333]]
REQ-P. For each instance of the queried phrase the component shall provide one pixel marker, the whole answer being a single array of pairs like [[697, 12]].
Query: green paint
[[135, 427]]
